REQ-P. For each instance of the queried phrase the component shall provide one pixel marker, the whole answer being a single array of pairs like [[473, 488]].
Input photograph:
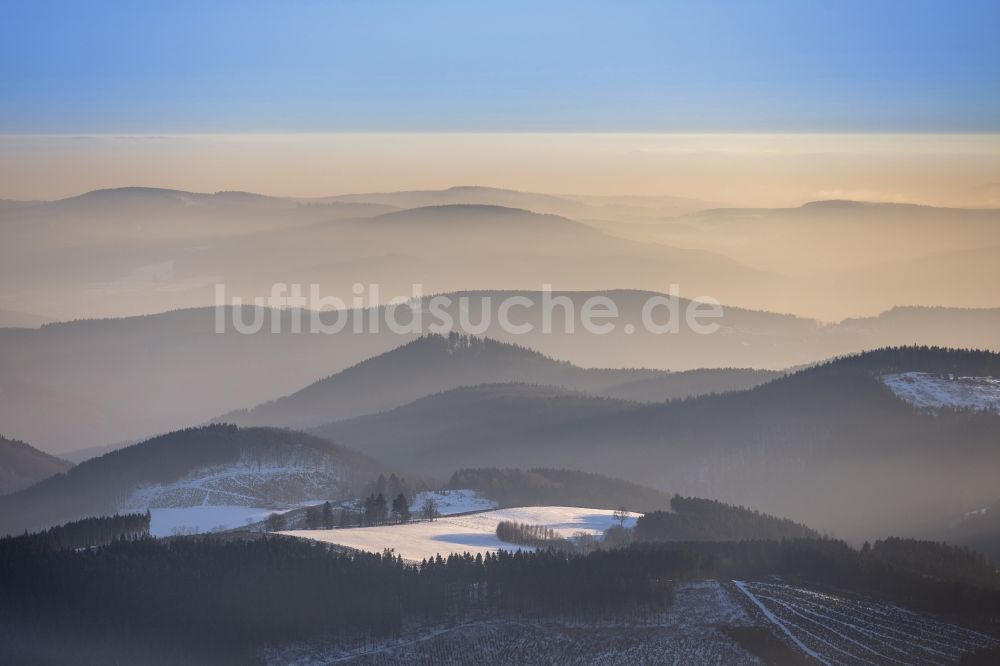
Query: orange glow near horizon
[[959, 170]]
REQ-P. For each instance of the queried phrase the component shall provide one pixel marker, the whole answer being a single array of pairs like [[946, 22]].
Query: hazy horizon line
[[470, 186], [744, 169]]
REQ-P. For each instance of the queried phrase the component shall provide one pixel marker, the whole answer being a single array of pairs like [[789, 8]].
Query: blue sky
[[762, 66]]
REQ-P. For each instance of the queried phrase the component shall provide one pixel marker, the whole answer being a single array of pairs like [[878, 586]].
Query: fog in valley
[[500, 333]]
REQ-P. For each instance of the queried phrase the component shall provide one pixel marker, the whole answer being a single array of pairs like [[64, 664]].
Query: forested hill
[[82, 384], [558, 487], [689, 383], [241, 465], [694, 519], [226, 600], [21, 465], [666, 517], [428, 365], [491, 416], [935, 360], [832, 446], [87, 533]]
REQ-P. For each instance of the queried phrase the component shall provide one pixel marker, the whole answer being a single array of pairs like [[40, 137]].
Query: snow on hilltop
[[221, 497], [924, 389], [474, 533], [278, 482]]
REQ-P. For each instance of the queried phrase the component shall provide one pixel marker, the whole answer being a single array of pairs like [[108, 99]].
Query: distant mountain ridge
[[428, 365], [830, 446], [489, 417], [140, 249], [146, 249], [73, 385], [569, 205], [689, 383], [851, 256], [22, 465]]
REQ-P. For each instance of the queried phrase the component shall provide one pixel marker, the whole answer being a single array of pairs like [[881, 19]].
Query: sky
[[578, 66], [742, 103]]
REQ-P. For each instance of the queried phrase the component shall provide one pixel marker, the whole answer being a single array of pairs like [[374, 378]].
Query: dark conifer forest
[[499, 333], [694, 519], [219, 600]]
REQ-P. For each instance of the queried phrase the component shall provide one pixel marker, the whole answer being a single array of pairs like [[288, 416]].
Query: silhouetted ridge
[[426, 366], [22, 465], [831, 446]]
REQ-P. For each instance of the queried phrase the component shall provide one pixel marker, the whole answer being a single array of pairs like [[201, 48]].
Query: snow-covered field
[[474, 533], [688, 633], [452, 501], [835, 630], [199, 519], [923, 389]]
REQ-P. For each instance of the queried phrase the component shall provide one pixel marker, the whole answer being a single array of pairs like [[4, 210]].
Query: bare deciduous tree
[[621, 515], [429, 510]]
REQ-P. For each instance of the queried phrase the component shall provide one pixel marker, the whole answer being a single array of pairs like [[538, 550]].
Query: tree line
[[86, 533], [535, 536], [372, 510], [694, 519], [219, 599]]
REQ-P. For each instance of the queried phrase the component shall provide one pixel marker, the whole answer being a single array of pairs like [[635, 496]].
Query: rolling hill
[[141, 250], [486, 417], [469, 533], [428, 365], [575, 206], [219, 465], [831, 446], [88, 383], [688, 383], [851, 257], [558, 487], [22, 465], [667, 517], [824, 234]]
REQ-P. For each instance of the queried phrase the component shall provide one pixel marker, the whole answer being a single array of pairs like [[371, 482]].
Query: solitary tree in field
[[429, 509], [621, 515]]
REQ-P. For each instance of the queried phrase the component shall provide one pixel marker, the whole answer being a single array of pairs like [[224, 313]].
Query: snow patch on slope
[[219, 497], [923, 389], [475, 533], [452, 501], [250, 483]]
